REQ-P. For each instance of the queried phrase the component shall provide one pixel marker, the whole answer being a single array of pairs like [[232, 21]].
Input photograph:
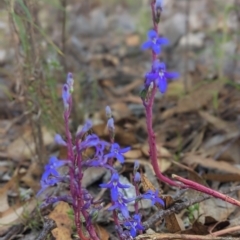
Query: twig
[[177, 207], [225, 231], [13, 231], [48, 225], [167, 236]]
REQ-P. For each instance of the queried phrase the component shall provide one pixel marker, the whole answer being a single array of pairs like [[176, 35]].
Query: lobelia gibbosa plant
[[128, 225], [157, 79], [105, 153]]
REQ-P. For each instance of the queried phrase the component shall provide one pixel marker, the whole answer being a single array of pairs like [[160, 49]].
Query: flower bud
[[70, 82], [65, 96], [108, 112], [136, 166], [158, 9], [137, 177], [110, 125]]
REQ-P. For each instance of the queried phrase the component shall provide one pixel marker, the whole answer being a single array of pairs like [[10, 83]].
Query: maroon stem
[[152, 141], [76, 193], [201, 188]]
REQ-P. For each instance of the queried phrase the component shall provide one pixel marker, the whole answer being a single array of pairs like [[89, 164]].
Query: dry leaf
[[132, 40], [133, 154], [101, 232], [195, 100], [210, 163], [64, 222], [173, 222], [219, 123], [14, 215], [163, 152], [24, 146]]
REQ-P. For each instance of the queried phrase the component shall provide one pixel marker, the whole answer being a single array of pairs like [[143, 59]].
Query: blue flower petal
[[152, 34], [120, 158], [114, 194], [146, 45], [171, 75], [124, 150], [162, 41], [156, 48], [162, 85]]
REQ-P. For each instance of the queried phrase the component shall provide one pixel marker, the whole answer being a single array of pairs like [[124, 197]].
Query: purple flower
[[91, 140], [153, 196], [121, 206], [134, 225], [116, 152], [159, 4], [46, 183], [51, 168], [154, 42], [59, 140], [160, 76], [114, 184]]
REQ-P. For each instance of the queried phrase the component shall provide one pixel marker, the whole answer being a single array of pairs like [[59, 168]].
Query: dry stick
[[48, 225], [201, 188], [167, 236], [225, 231], [177, 207]]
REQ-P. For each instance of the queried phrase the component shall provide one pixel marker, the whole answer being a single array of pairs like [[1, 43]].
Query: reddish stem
[[152, 141], [201, 188]]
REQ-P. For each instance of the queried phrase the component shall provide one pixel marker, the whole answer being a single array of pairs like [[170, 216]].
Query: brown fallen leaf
[[64, 222], [219, 123], [23, 147], [132, 40], [101, 232], [133, 154], [173, 223], [16, 214], [195, 100], [210, 163]]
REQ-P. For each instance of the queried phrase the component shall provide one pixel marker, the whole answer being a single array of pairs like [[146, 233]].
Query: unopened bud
[[65, 96], [70, 81], [136, 166], [110, 125], [137, 177], [108, 112], [158, 10]]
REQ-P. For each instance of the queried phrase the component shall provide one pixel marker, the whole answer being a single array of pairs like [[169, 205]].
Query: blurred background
[[196, 122]]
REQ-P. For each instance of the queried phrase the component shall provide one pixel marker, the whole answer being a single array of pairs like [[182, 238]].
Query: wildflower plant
[[127, 225]]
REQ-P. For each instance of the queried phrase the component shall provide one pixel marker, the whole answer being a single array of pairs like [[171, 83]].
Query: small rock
[[193, 40], [174, 28]]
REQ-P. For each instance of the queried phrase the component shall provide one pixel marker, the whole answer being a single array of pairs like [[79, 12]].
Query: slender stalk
[[149, 119], [201, 188]]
